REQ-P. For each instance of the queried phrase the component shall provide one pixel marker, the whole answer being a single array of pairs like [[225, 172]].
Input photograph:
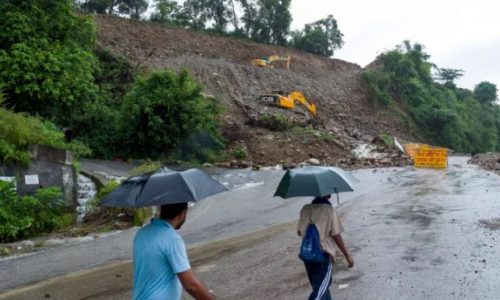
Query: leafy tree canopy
[[321, 37], [104, 7], [166, 11], [46, 60], [132, 8], [486, 92], [448, 75]]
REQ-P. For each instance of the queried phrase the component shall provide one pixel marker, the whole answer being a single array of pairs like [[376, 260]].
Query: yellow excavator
[[269, 62], [280, 99]]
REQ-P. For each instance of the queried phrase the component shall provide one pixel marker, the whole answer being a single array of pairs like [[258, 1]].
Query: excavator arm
[[280, 99], [260, 62], [299, 97]]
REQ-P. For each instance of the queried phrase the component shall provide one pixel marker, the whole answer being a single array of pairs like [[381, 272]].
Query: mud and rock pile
[[489, 161], [347, 117]]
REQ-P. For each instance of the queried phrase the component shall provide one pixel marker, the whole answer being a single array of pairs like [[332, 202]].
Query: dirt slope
[[222, 65]]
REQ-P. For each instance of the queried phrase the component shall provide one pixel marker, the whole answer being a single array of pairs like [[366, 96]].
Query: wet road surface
[[249, 206], [429, 235], [415, 234]]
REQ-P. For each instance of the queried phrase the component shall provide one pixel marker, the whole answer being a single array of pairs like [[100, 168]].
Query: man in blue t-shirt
[[161, 264]]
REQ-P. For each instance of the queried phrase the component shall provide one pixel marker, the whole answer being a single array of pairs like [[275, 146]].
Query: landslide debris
[[489, 161], [346, 115]]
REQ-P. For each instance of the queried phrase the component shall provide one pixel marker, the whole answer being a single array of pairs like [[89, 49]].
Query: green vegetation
[[51, 69], [20, 130], [449, 116], [145, 168], [263, 21], [52, 76], [132, 8], [388, 140], [46, 59], [275, 122], [321, 37], [163, 110], [240, 152], [27, 216], [486, 92], [4, 251], [308, 134]]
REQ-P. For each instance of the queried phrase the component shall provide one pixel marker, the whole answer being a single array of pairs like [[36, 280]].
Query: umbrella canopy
[[163, 188], [315, 182]]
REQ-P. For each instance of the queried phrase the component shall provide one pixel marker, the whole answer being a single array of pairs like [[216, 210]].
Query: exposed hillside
[[346, 115]]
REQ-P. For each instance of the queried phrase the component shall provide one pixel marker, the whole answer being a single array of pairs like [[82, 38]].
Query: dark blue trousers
[[320, 277]]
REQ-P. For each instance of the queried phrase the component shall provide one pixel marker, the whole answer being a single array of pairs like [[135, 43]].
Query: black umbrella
[[163, 188]]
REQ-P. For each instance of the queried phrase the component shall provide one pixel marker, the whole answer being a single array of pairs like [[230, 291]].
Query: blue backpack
[[310, 249]]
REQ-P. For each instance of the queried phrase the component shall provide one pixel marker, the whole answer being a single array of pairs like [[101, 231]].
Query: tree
[[105, 7], [248, 18], [272, 23], [165, 11], [312, 40], [46, 59], [486, 92], [198, 14], [192, 14], [321, 37], [133, 8], [448, 76]]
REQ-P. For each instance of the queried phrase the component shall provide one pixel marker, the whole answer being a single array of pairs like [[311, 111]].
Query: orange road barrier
[[432, 158], [425, 156]]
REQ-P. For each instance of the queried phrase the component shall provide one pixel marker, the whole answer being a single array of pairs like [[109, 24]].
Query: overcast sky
[[459, 34]]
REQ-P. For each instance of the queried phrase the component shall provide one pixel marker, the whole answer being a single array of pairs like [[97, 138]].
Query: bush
[[98, 126], [46, 59], [239, 152], [19, 131], [27, 216], [163, 111], [377, 84], [275, 122]]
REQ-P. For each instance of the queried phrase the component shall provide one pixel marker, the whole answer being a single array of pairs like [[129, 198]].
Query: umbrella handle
[[338, 200]]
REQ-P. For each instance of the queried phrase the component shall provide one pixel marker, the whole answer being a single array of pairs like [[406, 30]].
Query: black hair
[[170, 211]]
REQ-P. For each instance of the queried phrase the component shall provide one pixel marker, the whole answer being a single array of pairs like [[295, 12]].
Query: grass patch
[[308, 134]]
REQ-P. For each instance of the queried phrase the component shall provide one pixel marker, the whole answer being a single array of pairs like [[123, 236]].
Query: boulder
[[313, 161]]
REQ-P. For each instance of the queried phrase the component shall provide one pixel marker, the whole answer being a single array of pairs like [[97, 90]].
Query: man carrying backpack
[[320, 229]]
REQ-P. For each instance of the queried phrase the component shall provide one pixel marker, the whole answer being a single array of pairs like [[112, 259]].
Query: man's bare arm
[[194, 287], [340, 243]]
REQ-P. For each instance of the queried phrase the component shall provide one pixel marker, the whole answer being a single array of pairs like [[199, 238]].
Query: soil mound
[[489, 161], [346, 116]]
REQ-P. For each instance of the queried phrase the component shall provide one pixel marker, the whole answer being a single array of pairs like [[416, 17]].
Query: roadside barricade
[[428, 157], [425, 156]]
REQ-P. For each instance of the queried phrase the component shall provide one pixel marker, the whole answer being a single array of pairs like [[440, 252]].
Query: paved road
[[415, 234], [249, 206], [426, 234]]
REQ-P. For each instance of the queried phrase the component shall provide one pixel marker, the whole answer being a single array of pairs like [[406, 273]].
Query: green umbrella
[[315, 182]]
